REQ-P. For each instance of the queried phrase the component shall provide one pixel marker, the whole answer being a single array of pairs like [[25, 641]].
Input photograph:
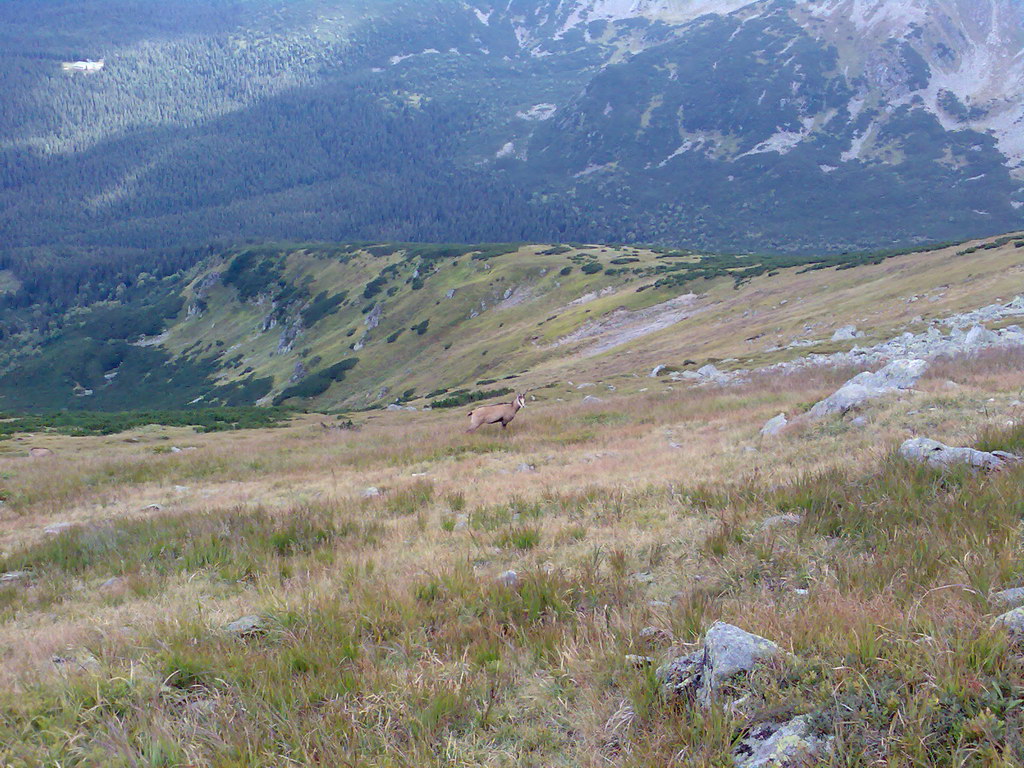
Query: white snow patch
[[485, 18], [538, 112]]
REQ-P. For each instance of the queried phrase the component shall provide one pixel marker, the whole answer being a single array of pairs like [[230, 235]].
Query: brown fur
[[501, 413]]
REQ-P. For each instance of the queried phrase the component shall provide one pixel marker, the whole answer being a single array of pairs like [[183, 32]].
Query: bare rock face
[[897, 375], [780, 745], [941, 456]]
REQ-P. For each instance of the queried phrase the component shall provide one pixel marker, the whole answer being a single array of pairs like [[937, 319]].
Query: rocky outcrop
[[897, 375], [942, 456]]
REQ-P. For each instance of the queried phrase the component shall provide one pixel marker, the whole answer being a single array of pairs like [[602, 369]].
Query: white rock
[[657, 369], [371, 492], [847, 333], [941, 456], [56, 529], [775, 425], [509, 579], [897, 375]]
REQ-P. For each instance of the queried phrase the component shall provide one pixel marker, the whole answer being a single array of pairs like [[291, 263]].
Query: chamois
[[492, 414]]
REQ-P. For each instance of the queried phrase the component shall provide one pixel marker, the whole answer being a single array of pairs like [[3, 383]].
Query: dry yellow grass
[[393, 644]]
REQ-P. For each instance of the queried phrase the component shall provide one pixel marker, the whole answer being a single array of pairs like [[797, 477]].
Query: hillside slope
[[348, 327], [723, 125]]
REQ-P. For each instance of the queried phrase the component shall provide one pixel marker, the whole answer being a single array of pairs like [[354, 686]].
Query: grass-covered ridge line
[[269, 323]]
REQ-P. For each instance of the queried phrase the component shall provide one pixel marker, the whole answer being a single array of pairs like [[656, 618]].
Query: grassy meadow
[[387, 637]]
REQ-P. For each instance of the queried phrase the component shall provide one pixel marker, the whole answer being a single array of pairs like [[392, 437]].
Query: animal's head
[[520, 400]]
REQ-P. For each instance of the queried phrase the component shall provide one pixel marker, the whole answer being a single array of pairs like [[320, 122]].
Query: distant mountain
[[751, 126]]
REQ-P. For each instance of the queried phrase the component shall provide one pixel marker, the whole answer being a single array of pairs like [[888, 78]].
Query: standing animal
[[493, 414]]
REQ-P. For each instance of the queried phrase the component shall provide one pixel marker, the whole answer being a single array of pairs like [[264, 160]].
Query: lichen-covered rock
[[780, 745], [728, 652], [942, 456]]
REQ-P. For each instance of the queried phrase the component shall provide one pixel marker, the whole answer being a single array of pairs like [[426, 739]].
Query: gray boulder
[[657, 369], [979, 336], [591, 400], [1012, 621], [847, 333], [941, 456], [1012, 598], [728, 652], [371, 492], [774, 425], [897, 375], [780, 745], [247, 626]]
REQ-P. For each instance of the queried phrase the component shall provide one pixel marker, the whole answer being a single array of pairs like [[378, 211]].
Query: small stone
[[247, 626], [152, 508], [509, 579], [40, 453], [591, 400], [777, 521], [524, 467], [655, 637], [657, 369], [859, 421], [180, 488], [112, 584], [638, 662], [56, 529], [175, 449], [461, 522], [14, 577], [371, 492], [643, 577], [1012, 621]]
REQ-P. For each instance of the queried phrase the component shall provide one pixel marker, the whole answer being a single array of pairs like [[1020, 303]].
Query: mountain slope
[[766, 125], [353, 326]]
